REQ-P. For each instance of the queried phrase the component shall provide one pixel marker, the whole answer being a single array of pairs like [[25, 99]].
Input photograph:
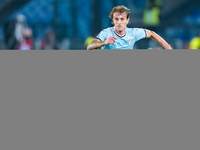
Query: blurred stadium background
[[74, 21]]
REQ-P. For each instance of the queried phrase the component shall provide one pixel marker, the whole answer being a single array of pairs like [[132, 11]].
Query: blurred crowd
[[19, 36]]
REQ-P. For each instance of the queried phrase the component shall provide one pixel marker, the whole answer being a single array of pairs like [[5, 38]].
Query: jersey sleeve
[[139, 33], [102, 35]]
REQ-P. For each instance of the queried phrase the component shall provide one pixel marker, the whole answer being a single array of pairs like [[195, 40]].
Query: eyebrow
[[118, 17]]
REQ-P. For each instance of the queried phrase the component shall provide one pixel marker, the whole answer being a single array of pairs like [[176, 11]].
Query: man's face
[[120, 21]]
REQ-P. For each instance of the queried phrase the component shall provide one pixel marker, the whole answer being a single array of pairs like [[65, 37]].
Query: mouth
[[119, 26]]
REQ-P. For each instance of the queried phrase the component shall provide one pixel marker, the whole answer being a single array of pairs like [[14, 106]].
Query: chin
[[119, 30]]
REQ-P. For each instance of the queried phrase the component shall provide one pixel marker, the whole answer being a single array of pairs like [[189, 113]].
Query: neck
[[120, 33]]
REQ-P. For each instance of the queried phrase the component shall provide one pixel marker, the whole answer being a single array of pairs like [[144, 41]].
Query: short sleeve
[[139, 33], [102, 35]]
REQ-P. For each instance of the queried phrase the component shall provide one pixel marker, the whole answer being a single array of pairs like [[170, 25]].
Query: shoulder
[[107, 31], [110, 29], [137, 33], [138, 29], [135, 30]]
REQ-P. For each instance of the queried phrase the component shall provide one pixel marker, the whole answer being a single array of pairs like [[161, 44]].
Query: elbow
[[88, 47], [152, 33]]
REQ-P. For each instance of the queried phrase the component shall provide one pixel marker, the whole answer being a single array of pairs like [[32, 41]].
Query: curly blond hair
[[120, 9]]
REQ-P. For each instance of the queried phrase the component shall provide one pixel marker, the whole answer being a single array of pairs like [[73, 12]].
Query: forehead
[[119, 15]]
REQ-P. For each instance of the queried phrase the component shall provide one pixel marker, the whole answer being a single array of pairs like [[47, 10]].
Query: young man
[[121, 37]]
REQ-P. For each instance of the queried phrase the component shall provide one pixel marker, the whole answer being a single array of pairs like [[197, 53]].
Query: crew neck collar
[[120, 35]]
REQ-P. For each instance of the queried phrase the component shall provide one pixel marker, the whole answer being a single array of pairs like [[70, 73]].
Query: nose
[[119, 21]]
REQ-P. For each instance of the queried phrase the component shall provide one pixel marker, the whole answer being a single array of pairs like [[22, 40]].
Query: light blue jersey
[[123, 42]]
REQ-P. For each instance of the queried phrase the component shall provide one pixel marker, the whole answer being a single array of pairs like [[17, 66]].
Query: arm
[[157, 38], [96, 43]]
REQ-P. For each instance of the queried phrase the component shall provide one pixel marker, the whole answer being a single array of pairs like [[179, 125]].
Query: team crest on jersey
[[129, 41]]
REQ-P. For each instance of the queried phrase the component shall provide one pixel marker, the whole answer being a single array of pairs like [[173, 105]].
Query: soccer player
[[120, 36]]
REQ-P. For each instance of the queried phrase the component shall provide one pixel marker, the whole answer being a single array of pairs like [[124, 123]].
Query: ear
[[112, 22], [128, 20]]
